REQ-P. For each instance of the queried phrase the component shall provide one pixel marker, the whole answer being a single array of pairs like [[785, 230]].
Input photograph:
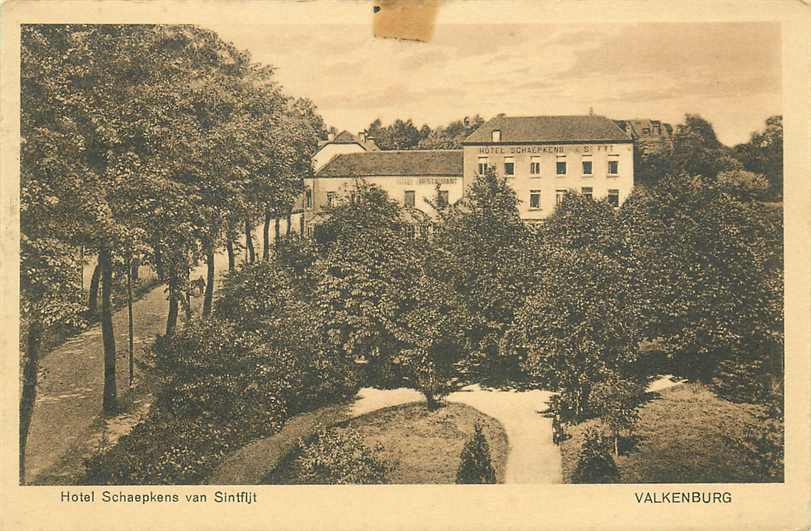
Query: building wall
[[330, 150], [548, 182], [424, 186]]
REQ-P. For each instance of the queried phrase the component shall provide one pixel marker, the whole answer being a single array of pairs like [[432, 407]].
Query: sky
[[729, 73]]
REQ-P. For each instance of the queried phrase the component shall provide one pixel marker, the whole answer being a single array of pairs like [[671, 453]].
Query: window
[[559, 195], [442, 198], [308, 198], [613, 166], [330, 199], [496, 136], [509, 166], [587, 167], [534, 199], [535, 166], [410, 198], [482, 165], [646, 130], [586, 191], [410, 231], [560, 166], [614, 198]]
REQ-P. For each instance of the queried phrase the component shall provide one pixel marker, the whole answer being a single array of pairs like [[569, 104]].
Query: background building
[[343, 142], [650, 135], [544, 156]]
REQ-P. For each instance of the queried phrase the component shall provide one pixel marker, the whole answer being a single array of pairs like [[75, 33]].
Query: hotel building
[[542, 157]]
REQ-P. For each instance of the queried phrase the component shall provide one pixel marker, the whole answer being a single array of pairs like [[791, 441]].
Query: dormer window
[[496, 135]]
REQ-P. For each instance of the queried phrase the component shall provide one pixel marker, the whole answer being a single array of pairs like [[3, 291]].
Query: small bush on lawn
[[339, 457], [594, 463], [475, 465]]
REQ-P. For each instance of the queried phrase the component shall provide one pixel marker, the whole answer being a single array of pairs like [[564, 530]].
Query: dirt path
[[66, 425]]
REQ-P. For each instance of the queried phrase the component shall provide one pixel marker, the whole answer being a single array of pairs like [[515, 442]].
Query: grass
[[422, 446], [680, 438]]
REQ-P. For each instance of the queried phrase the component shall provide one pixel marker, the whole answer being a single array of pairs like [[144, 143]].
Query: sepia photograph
[[532, 253]]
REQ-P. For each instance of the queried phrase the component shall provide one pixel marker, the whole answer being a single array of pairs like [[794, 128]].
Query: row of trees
[[404, 134], [155, 144], [696, 150]]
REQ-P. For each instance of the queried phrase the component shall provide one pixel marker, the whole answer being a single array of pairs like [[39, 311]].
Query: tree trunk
[[209, 294], [617, 444], [266, 236], [289, 222], [159, 262], [108, 337], [135, 269], [301, 224], [229, 247], [93, 301], [251, 254], [171, 319], [29, 389], [277, 230], [129, 322]]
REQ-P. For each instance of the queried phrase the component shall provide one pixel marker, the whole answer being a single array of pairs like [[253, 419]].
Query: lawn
[[422, 446], [680, 439]]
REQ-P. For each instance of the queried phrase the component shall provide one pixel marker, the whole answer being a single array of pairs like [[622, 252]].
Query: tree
[[579, 323], [616, 400], [594, 462], [475, 464], [711, 267], [49, 297], [483, 225], [697, 150], [580, 222], [763, 154]]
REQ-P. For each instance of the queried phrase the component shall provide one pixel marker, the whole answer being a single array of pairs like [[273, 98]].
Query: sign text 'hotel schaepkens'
[[571, 148]]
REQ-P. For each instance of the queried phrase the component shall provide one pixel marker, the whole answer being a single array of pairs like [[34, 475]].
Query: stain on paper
[[411, 20]]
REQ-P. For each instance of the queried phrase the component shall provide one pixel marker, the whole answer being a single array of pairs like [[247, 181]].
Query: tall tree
[[763, 154]]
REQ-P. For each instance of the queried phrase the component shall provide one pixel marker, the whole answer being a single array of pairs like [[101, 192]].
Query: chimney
[[362, 136], [591, 111], [330, 136]]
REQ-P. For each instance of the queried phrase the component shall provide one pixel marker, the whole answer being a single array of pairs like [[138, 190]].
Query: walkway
[[66, 425]]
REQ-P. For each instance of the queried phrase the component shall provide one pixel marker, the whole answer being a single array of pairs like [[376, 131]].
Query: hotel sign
[[568, 148]]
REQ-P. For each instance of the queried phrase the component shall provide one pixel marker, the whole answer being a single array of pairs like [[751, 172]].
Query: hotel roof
[[395, 163], [588, 128]]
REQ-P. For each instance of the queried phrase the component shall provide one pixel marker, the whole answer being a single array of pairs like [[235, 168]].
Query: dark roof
[[548, 129], [394, 163]]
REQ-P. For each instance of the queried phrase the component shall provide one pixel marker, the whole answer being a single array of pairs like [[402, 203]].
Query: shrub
[[739, 380], [254, 294], [763, 441], [475, 465], [594, 462], [297, 256], [615, 401], [165, 449], [340, 457]]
